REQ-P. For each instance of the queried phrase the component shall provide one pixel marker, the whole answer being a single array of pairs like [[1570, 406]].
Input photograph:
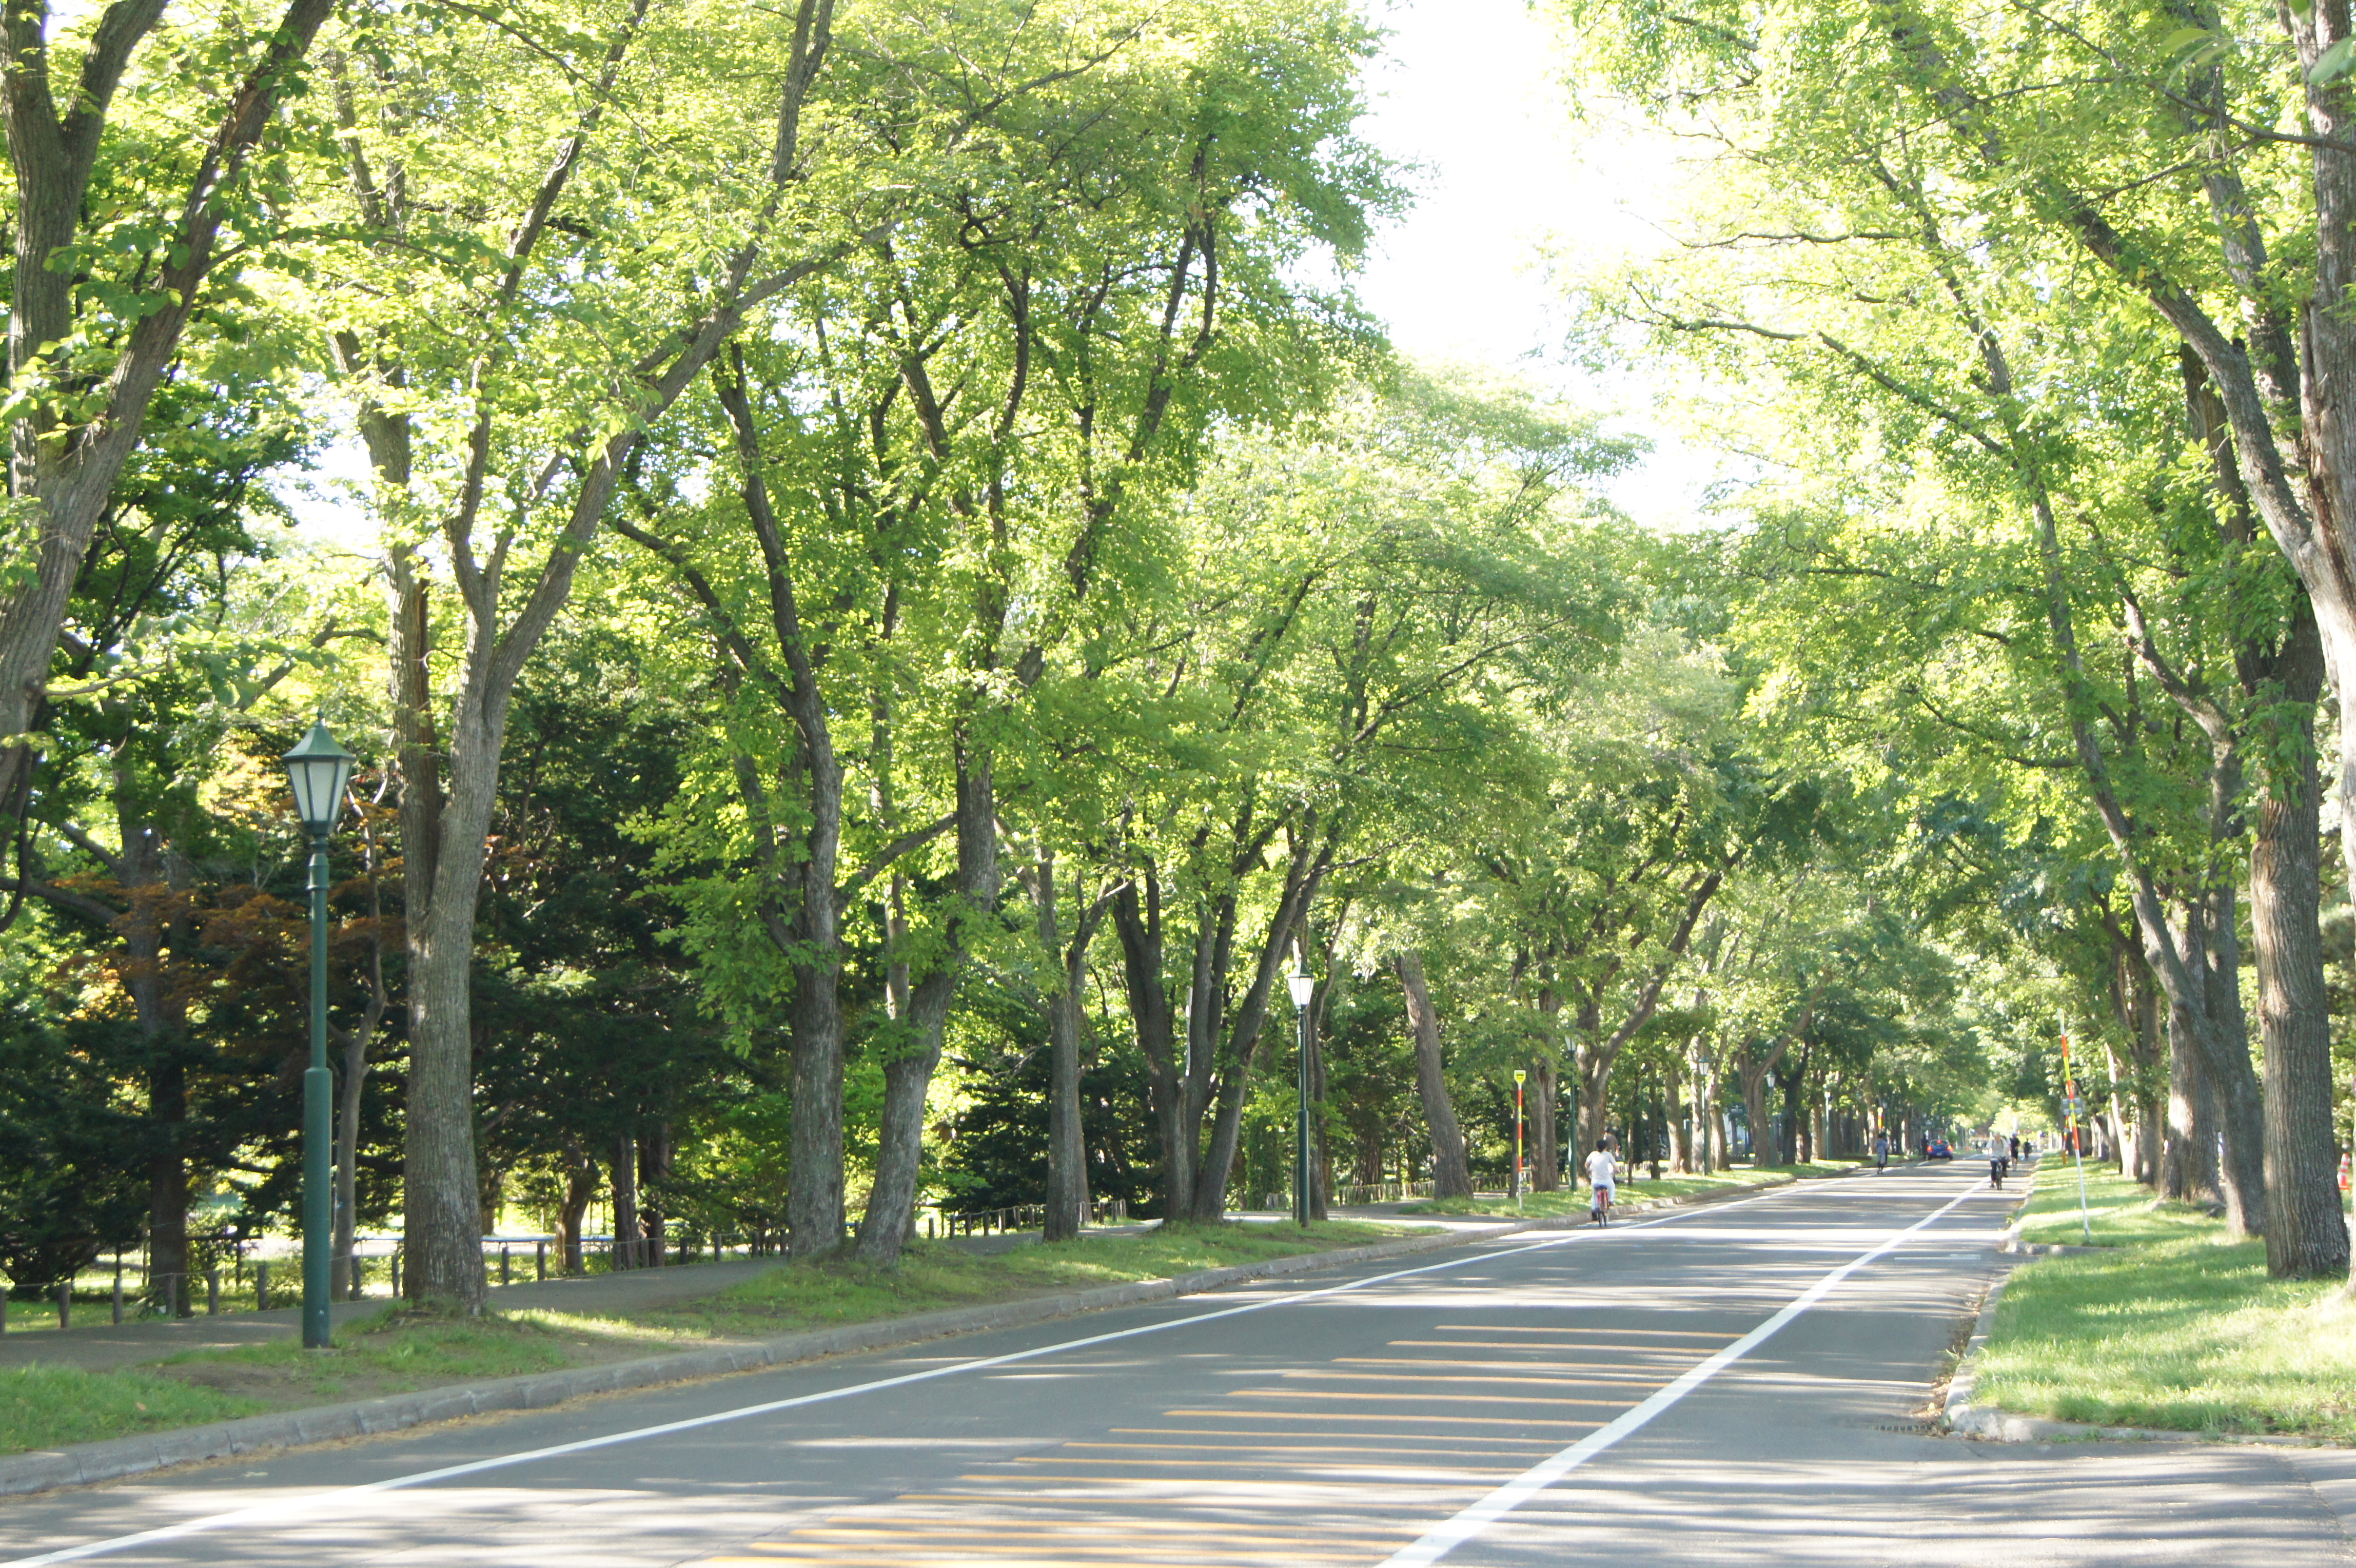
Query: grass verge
[[2173, 1325], [2120, 1212], [935, 1275], [48, 1407], [1633, 1192]]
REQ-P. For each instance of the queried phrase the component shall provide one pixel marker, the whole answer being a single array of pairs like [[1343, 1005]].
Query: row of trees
[[905, 596], [2048, 318]]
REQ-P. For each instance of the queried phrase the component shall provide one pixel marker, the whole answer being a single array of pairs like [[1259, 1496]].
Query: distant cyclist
[[1997, 1163], [1602, 1176]]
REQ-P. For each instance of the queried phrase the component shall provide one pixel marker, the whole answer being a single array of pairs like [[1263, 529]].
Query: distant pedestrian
[[1880, 1153], [1602, 1177], [2016, 1146]]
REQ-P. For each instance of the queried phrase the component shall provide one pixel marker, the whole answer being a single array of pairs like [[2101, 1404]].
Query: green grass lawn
[[934, 1275], [2120, 1212], [45, 1407], [1633, 1191], [2171, 1326]]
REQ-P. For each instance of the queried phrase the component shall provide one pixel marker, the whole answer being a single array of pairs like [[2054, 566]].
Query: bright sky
[[1470, 90]]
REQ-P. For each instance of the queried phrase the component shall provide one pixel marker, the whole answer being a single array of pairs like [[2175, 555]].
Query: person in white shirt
[[1601, 1176]]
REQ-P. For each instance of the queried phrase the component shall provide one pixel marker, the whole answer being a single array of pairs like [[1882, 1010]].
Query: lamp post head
[[1304, 986], [318, 769]]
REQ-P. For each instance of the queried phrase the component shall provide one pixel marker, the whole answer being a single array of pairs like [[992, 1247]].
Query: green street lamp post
[[1304, 985], [318, 769]]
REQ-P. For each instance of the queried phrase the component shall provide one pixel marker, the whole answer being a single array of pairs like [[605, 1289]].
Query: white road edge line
[[288, 1509], [1446, 1537]]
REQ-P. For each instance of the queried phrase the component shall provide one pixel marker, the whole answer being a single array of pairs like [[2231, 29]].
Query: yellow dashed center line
[[1141, 1497]]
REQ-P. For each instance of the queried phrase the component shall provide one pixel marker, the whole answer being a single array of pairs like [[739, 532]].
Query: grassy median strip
[[46, 1407], [400, 1351], [2171, 1326], [933, 1276], [1551, 1205]]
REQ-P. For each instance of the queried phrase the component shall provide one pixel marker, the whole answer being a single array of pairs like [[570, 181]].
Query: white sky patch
[[324, 499], [1471, 91]]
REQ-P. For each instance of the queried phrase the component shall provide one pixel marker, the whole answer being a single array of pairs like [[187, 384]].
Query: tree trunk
[[2307, 1234], [2241, 1104], [2189, 1164], [1067, 1153], [1451, 1175], [1546, 1153], [907, 1081], [580, 1190], [1754, 1112], [1067, 1169], [1672, 1090], [654, 1165], [442, 1197], [628, 1237], [1708, 1138], [1137, 920]]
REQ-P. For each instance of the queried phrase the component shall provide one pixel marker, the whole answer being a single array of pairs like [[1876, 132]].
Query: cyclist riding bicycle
[[1603, 1177]]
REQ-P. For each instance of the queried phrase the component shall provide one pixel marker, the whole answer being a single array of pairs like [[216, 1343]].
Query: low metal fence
[[1017, 1216], [261, 1275]]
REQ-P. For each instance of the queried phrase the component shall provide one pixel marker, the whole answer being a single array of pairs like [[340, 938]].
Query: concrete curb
[[87, 1464], [2013, 1243]]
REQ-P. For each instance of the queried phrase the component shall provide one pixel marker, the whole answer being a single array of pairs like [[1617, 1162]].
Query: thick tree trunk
[[814, 1198], [2307, 1234], [2241, 1104], [1451, 1175], [2189, 1162], [440, 1189]]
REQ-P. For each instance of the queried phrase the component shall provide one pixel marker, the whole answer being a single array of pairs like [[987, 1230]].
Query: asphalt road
[[1737, 1383]]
